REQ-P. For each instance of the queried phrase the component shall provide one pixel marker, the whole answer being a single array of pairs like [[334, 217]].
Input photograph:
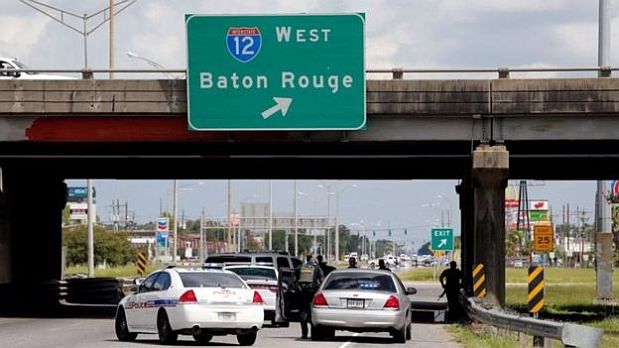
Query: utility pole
[[229, 236], [111, 51], [175, 244], [91, 239], [604, 236], [270, 214], [202, 253], [296, 222]]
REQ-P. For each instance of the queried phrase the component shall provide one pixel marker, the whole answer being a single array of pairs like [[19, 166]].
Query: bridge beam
[[489, 179]]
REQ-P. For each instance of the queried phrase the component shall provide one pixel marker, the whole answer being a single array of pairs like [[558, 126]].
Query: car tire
[[203, 339], [122, 328], [409, 332], [246, 339], [166, 335], [320, 333], [400, 335]]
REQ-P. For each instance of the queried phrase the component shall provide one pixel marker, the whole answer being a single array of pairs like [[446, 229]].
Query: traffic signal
[[405, 232], [373, 233], [389, 232]]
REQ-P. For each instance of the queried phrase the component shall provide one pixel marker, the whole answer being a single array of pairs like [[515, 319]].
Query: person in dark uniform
[[326, 269], [352, 262], [452, 280], [309, 276], [381, 265]]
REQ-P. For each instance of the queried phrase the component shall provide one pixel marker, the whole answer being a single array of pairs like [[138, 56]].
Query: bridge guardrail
[[397, 73], [571, 335]]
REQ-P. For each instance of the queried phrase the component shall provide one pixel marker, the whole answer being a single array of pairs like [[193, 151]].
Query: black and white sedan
[[201, 303]]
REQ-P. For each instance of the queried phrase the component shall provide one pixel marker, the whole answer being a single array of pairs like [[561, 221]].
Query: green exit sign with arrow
[[276, 72], [442, 239]]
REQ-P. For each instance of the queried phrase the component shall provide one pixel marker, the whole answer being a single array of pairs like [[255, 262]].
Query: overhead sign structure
[[276, 72], [543, 238], [442, 239]]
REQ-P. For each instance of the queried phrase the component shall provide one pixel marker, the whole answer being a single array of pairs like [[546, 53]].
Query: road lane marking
[[350, 340]]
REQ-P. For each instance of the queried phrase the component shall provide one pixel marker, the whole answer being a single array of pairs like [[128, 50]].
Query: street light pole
[[91, 240], [270, 214]]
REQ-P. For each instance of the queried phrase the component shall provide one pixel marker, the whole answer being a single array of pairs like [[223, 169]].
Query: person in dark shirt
[[326, 269], [452, 280], [352, 262], [382, 265], [309, 277]]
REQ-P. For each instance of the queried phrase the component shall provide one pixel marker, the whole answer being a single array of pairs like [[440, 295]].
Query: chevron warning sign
[[535, 299], [479, 280], [142, 264]]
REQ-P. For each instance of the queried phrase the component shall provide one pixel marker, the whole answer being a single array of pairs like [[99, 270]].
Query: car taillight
[[188, 297], [257, 298], [392, 303], [319, 300]]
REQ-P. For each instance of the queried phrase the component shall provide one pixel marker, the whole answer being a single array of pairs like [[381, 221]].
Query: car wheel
[[203, 339], [122, 328], [246, 339], [166, 335], [400, 335]]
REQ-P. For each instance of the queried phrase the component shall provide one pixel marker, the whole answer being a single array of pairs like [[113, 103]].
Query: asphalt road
[[52, 333], [74, 332]]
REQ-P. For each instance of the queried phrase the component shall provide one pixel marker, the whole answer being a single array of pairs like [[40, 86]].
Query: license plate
[[354, 303], [227, 316]]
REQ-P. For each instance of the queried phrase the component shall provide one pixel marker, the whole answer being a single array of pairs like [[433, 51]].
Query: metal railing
[[571, 335], [396, 73]]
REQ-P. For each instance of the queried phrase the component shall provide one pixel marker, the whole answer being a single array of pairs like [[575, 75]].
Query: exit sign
[[276, 72], [442, 239]]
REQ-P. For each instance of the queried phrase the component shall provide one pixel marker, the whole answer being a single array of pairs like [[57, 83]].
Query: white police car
[[202, 303]]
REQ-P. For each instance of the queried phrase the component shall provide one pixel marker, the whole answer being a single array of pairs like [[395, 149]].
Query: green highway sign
[[276, 72], [442, 239]]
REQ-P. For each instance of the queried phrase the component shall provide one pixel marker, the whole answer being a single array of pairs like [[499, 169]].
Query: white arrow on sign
[[280, 104], [443, 242]]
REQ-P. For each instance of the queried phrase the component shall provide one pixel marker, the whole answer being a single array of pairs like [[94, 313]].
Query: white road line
[[350, 340]]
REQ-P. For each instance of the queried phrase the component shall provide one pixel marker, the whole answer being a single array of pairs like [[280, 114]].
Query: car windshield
[[360, 281], [210, 280], [254, 272]]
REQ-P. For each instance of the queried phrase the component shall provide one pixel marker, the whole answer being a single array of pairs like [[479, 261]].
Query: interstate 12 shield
[[244, 43]]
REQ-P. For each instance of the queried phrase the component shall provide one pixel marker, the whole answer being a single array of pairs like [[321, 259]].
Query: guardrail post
[[142, 264], [397, 73], [605, 71], [87, 74], [503, 72]]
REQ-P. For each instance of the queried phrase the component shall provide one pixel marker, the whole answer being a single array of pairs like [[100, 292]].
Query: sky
[[399, 33]]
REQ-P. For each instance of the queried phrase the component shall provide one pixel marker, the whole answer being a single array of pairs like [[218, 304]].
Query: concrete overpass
[[52, 130]]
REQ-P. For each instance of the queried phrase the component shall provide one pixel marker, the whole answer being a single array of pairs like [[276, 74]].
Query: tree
[[113, 247], [425, 250]]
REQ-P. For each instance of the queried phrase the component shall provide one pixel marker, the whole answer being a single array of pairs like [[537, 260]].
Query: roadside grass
[[556, 275], [483, 336], [129, 271]]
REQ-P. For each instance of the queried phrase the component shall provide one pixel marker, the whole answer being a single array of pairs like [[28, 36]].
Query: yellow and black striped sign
[[142, 264], [536, 289], [479, 280]]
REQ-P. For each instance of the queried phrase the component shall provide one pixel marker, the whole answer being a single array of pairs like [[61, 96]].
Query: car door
[[136, 311], [288, 296], [155, 299]]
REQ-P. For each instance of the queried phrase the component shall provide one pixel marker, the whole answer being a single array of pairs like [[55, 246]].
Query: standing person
[[352, 262], [381, 265], [452, 280], [326, 269], [309, 277]]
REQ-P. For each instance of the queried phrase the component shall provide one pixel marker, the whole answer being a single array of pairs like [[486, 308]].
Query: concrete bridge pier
[[467, 240], [31, 207], [489, 180]]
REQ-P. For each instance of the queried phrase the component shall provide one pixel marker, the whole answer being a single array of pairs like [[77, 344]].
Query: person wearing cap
[[382, 265]]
